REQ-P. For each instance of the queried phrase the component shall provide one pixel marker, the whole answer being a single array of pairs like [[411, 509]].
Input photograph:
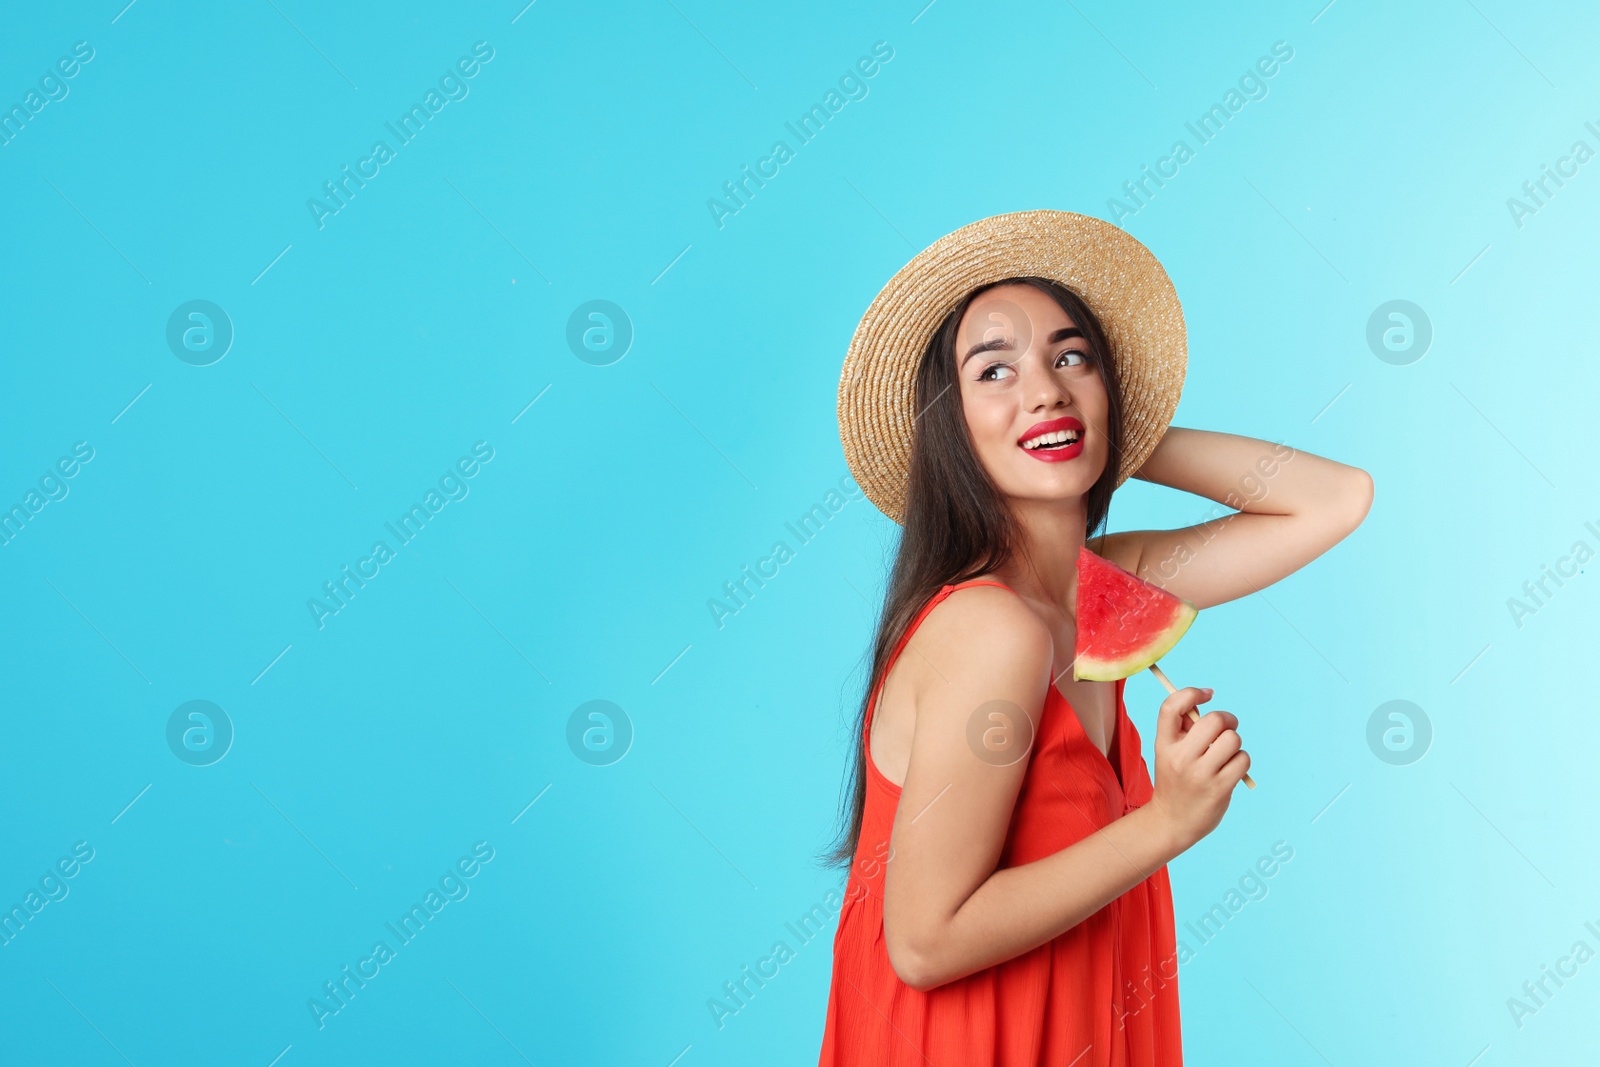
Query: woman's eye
[[1081, 357], [992, 372]]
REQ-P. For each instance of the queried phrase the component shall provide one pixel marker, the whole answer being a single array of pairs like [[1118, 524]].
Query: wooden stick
[[1194, 716]]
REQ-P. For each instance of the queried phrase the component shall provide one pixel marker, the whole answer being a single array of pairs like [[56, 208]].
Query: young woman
[[1008, 900]]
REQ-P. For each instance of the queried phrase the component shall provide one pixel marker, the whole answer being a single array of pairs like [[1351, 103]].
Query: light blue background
[[426, 315]]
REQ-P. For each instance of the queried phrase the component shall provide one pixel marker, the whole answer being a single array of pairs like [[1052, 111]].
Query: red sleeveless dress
[[1103, 994]]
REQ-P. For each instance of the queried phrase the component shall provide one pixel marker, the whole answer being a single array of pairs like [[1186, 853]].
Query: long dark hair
[[957, 524]]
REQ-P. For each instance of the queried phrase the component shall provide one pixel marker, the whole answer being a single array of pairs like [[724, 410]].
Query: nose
[[1045, 391]]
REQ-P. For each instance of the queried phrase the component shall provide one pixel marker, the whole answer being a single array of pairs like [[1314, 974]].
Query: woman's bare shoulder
[[985, 621]]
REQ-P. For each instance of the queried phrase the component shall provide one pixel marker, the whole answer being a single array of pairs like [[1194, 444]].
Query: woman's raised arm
[[1292, 507]]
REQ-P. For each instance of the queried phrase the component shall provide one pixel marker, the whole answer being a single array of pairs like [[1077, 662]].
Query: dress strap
[[905, 638]]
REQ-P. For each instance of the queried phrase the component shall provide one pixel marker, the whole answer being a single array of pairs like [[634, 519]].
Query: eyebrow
[[1000, 342]]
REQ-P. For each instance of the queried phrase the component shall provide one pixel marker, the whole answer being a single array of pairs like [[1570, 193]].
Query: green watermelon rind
[[1093, 670]]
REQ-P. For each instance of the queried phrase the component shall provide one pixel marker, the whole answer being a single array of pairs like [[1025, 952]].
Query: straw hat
[[1119, 278]]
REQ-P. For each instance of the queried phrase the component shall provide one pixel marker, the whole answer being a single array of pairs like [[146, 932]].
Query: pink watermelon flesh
[[1124, 623]]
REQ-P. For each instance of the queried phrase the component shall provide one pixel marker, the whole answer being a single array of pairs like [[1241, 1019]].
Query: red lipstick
[[1055, 452]]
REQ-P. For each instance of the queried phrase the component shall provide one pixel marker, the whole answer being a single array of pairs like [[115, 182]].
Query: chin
[[1054, 492], [1064, 481]]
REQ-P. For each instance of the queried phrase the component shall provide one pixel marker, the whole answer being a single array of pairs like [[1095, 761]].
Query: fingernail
[[1208, 692]]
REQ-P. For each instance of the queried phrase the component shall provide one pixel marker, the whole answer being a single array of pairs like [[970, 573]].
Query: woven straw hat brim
[[1118, 277]]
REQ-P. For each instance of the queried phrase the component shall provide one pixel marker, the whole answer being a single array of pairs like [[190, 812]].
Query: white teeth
[[1057, 438]]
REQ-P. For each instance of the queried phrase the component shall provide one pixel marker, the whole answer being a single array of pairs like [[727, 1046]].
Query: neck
[[1045, 566]]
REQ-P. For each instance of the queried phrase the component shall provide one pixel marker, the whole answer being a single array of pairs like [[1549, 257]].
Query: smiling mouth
[[1053, 442]]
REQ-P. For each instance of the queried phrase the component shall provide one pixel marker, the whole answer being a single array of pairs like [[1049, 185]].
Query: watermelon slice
[[1124, 623]]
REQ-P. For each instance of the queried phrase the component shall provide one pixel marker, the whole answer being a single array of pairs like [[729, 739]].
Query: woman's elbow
[[914, 965], [916, 973], [1360, 496]]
